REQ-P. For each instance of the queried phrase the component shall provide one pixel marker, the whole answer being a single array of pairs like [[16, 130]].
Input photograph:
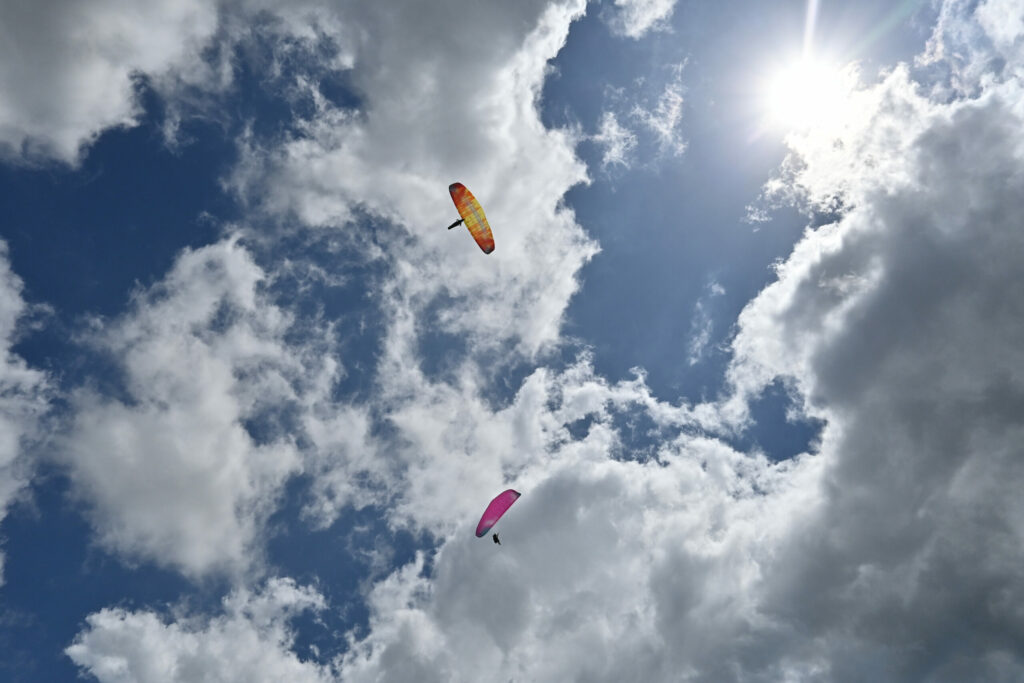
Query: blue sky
[[749, 343]]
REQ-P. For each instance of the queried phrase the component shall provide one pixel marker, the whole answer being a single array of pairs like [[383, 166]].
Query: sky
[[749, 344]]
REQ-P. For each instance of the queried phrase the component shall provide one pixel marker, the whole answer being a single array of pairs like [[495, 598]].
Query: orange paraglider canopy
[[473, 215]]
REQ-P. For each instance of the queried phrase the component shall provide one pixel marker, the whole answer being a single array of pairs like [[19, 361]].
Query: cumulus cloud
[[250, 641], [433, 112], [24, 394], [891, 552], [68, 70], [972, 42], [171, 469], [615, 564], [72, 72], [897, 323], [590, 568], [205, 355]]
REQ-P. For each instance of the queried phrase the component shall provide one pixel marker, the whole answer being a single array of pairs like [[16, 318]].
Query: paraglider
[[497, 507], [473, 215]]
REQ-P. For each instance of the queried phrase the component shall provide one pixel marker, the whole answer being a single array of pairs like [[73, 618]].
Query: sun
[[807, 93]]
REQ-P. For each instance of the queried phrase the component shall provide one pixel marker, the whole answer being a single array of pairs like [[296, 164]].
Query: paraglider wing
[[502, 502], [473, 214]]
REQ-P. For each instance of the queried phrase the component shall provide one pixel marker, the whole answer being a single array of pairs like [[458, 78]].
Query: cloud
[[896, 322], [183, 463], [636, 18], [891, 552], [611, 567], [172, 469], [432, 112], [702, 324], [250, 641], [588, 569], [344, 459], [24, 394], [68, 70], [1003, 21], [664, 118], [654, 116], [617, 142]]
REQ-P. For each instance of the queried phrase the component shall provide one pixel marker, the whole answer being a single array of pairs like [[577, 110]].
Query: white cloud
[[24, 394], [636, 18], [617, 142], [702, 325], [169, 470], [609, 569], [1003, 21], [67, 68], [250, 641], [346, 463], [433, 112], [892, 553], [898, 322], [664, 119], [654, 113], [590, 581], [453, 446], [973, 43]]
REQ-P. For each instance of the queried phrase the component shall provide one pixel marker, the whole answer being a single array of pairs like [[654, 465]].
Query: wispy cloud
[[636, 18], [617, 142], [637, 118], [665, 117], [702, 325]]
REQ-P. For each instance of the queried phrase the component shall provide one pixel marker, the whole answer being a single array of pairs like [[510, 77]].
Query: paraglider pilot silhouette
[[497, 507]]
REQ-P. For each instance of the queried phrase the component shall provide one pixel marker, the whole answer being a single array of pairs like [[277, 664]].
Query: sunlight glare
[[807, 94]]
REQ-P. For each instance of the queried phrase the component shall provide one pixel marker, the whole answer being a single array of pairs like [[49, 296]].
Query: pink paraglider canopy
[[502, 502]]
